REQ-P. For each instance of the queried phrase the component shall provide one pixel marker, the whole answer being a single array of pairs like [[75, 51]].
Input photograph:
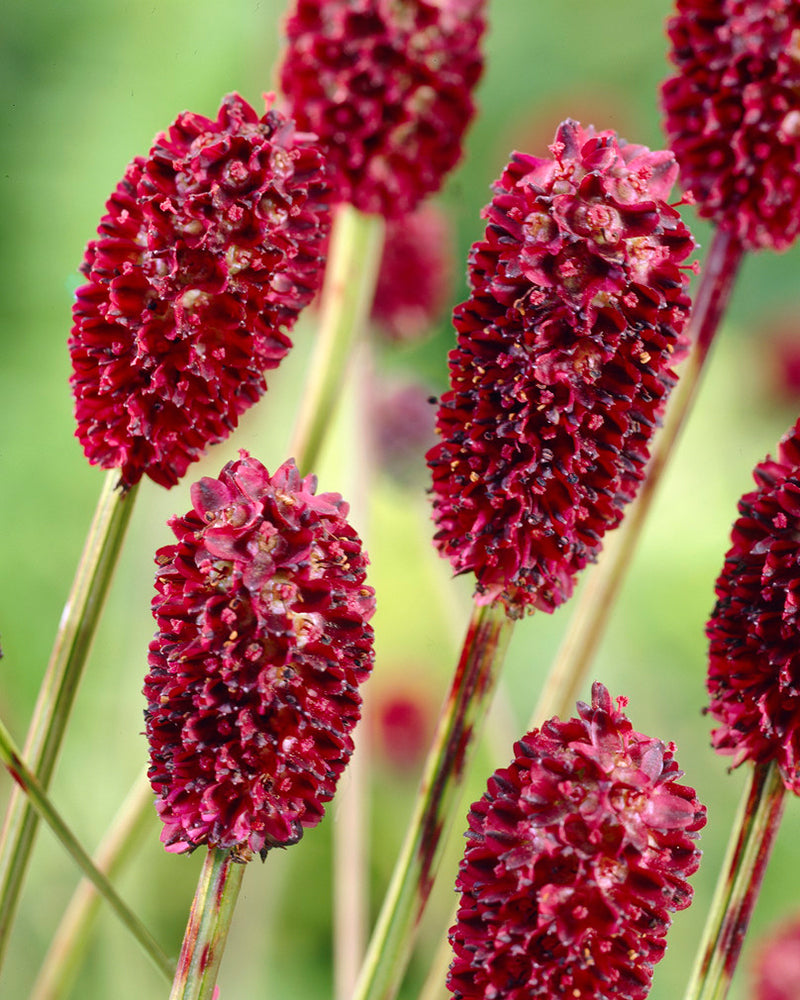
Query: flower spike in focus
[[387, 86], [577, 854], [210, 247], [562, 366], [263, 641], [754, 654], [732, 114]]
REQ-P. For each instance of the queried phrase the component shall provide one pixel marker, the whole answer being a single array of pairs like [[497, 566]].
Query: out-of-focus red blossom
[[209, 249], [562, 365], [402, 724], [733, 114], [402, 427], [754, 656], [776, 969], [578, 852], [262, 643], [780, 348], [387, 86], [415, 279]]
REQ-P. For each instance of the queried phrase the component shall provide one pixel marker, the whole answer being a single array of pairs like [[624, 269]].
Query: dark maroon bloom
[[262, 644], [578, 852], [733, 114], [402, 427], [776, 972], [209, 249], [754, 655], [387, 86], [416, 274], [562, 365]]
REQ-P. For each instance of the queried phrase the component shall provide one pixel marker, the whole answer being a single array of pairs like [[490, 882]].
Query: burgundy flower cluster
[[562, 365], [754, 656], [733, 114], [262, 644], [387, 86], [209, 249], [578, 852]]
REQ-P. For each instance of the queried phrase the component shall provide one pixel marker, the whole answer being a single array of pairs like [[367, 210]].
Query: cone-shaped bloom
[[416, 275], [754, 629], [578, 852], [262, 643], [210, 247], [387, 86], [732, 114], [776, 972], [562, 365]]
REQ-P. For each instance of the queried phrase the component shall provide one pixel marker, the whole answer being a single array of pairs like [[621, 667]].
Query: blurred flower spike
[[562, 366], [209, 249], [732, 115], [263, 641], [776, 969], [578, 852], [754, 655], [387, 86]]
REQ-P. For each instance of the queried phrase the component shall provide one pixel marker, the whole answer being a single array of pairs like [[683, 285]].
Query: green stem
[[207, 930], [57, 692], [593, 608], [448, 762], [347, 296], [36, 795], [71, 940], [749, 848]]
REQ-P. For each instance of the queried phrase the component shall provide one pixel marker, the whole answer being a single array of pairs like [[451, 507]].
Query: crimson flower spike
[[578, 853], [387, 86], [755, 696], [210, 247], [263, 641], [732, 115], [562, 366]]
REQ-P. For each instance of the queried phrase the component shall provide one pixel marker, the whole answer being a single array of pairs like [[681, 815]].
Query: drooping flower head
[[262, 643], [562, 365], [387, 86], [732, 114], [577, 854], [754, 630], [776, 970], [415, 276], [210, 247]]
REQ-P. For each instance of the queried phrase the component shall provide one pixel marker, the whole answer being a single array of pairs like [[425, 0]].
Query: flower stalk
[[37, 796], [209, 921], [483, 652], [752, 838], [347, 294], [57, 692]]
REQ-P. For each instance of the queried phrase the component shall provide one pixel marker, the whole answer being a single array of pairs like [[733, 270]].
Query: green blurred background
[[86, 86]]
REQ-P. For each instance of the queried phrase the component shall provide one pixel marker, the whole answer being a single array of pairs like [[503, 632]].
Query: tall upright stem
[[207, 930], [57, 692], [347, 294], [448, 762], [752, 837]]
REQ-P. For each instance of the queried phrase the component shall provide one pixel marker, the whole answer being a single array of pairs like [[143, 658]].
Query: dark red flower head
[[733, 114], [209, 249], [754, 629], [776, 972], [578, 852], [387, 86], [262, 644], [416, 275], [562, 365]]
